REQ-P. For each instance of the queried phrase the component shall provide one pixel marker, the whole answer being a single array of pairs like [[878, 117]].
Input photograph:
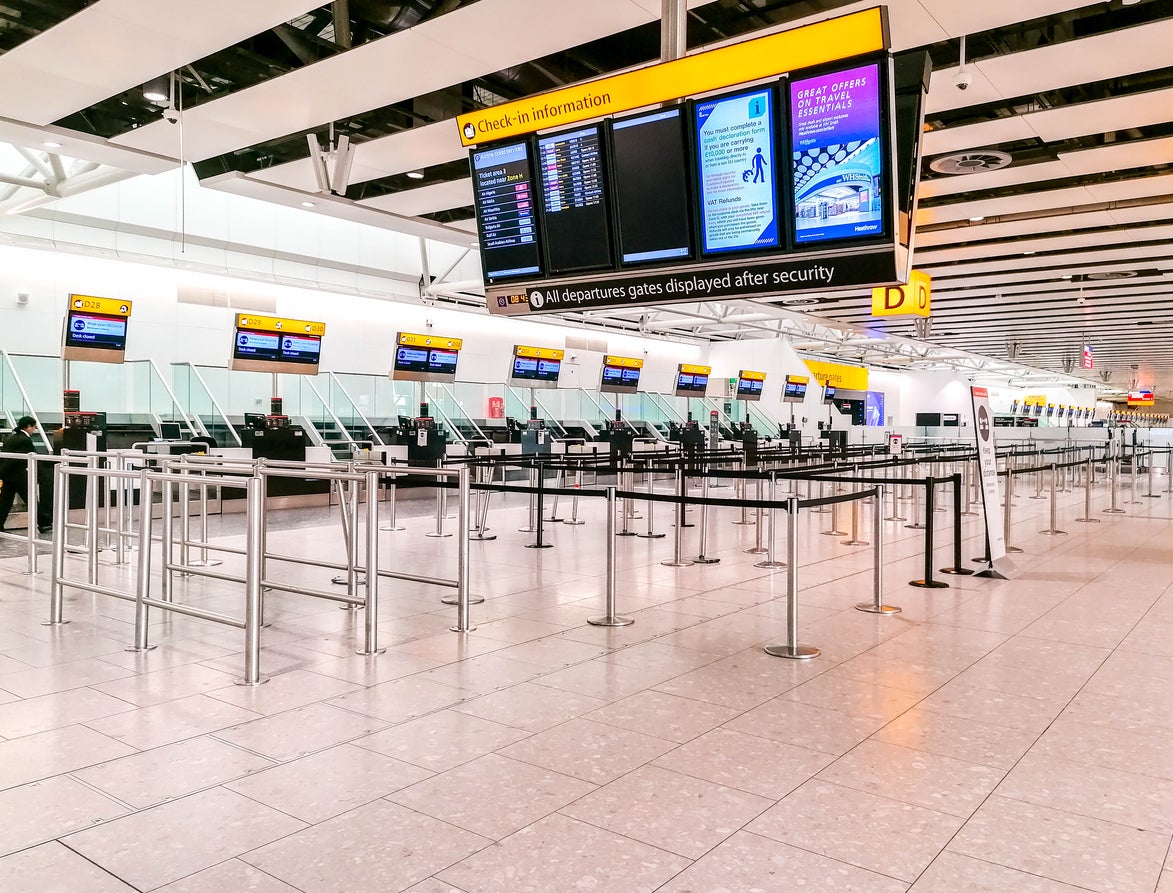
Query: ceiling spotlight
[[415, 175], [1027, 253], [51, 144], [158, 90], [1066, 276], [977, 219], [308, 205]]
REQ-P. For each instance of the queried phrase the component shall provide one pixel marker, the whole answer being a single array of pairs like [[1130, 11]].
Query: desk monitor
[[795, 389], [535, 367], [274, 344], [170, 430], [692, 381], [620, 374], [750, 384], [425, 357]]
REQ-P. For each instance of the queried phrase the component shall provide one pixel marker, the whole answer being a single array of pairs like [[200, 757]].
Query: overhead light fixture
[[976, 219], [1066, 276], [51, 144], [308, 205], [1027, 253], [415, 175], [158, 90]]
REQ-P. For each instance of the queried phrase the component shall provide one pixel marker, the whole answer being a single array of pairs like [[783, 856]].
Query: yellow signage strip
[[796, 379], [752, 60], [279, 324], [852, 378], [105, 306], [695, 370], [629, 362], [750, 375], [540, 353], [412, 340]]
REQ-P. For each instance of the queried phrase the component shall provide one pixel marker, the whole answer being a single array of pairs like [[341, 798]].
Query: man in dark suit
[[14, 475]]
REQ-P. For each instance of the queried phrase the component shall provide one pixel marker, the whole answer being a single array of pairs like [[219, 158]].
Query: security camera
[[963, 80], [171, 116]]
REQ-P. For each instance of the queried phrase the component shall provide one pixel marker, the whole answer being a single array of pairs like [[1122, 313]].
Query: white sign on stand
[[895, 444], [983, 424]]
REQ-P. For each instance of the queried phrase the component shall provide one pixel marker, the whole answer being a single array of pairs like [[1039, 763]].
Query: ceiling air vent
[[970, 162], [1110, 274]]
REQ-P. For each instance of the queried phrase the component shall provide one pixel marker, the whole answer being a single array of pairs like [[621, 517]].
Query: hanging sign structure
[[913, 299]]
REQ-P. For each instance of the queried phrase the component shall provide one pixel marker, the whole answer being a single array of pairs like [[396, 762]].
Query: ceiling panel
[[1105, 116], [1121, 156], [1065, 242], [1013, 175], [969, 18], [1147, 187], [1008, 229], [115, 45], [974, 136], [1051, 199], [426, 199]]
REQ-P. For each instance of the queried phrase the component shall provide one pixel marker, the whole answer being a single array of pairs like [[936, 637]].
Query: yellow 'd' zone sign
[[750, 375], [540, 353], [696, 370], [428, 341], [105, 306], [628, 362], [765, 57], [904, 300], [279, 324], [852, 378]]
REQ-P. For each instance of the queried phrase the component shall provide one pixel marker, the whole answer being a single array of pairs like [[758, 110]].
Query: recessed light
[[977, 219], [415, 175], [51, 144], [1027, 253], [308, 205], [1067, 276]]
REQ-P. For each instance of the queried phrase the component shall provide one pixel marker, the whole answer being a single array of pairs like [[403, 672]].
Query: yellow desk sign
[[852, 378], [914, 299], [428, 341], [752, 60], [104, 306], [279, 324], [628, 362], [686, 369], [1034, 400], [794, 379], [539, 353], [750, 375]]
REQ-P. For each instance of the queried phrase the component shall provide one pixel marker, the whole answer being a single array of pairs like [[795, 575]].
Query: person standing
[[14, 475]]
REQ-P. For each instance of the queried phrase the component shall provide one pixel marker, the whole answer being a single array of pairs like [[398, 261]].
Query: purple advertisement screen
[[837, 162]]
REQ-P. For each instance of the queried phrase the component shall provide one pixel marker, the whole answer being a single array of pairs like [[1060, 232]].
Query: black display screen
[[612, 374], [95, 330], [250, 345], [574, 200], [749, 387], [687, 381], [442, 362], [411, 359], [795, 390], [305, 349], [534, 369], [651, 187], [506, 221], [828, 394]]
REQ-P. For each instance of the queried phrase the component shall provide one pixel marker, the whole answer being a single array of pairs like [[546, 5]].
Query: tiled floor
[[996, 736]]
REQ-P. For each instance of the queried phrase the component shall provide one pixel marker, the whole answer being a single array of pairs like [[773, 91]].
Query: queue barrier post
[[791, 648], [927, 582], [770, 561], [1149, 464], [60, 515], [701, 557], [678, 560], [876, 605], [855, 540], [758, 548], [254, 497], [611, 618], [957, 568], [1113, 479], [1054, 530]]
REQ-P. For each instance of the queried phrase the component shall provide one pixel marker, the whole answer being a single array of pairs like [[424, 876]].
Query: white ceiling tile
[[1142, 214], [1104, 116], [944, 95], [1011, 228], [929, 255], [1051, 199], [1007, 176], [425, 199], [969, 18], [1140, 187], [1120, 156], [974, 136]]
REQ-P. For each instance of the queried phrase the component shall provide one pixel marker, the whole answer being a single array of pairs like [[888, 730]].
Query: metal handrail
[[662, 404], [27, 402], [337, 421], [451, 393], [358, 412], [215, 404], [549, 415], [198, 428]]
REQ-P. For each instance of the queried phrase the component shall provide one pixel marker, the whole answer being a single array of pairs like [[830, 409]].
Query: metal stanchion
[[625, 506], [60, 517], [574, 520], [1038, 484], [371, 620], [1054, 530], [540, 543], [392, 523], [957, 569], [855, 540], [254, 498], [678, 559], [1087, 495], [168, 527], [650, 534], [876, 605], [1006, 510], [916, 524], [463, 599], [611, 618], [834, 531], [560, 483], [1169, 470], [895, 516], [143, 584], [348, 509], [758, 548], [822, 509], [701, 558], [92, 522], [744, 520], [770, 561], [790, 648], [479, 506], [1149, 463], [1113, 474], [441, 512], [927, 582], [1132, 479]]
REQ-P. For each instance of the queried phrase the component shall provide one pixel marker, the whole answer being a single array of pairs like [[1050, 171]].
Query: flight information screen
[[534, 369], [251, 345], [443, 362], [735, 138], [795, 390], [574, 204], [95, 330], [506, 219], [749, 387], [651, 187], [838, 163], [687, 381], [305, 349]]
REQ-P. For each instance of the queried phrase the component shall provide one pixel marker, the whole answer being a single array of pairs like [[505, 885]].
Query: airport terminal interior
[[528, 446]]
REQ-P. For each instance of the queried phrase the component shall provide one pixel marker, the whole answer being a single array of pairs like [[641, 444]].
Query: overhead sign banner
[[104, 306], [753, 60], [849, 378], [983, 424], [915, 298], [1089, 358], [279, 324], [741, 279]]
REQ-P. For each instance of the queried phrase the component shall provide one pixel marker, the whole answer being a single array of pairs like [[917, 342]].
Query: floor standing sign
[[983, 424]]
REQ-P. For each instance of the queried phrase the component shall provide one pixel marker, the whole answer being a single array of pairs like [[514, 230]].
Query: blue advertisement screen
[[873, 409], [735, 172], [837, 162]]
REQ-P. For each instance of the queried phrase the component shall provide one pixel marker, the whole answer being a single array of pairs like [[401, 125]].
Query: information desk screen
[[506, 220], [292, 353], [95, 331], [688, 383], [795, 390], [574, 200], [649, 161], [828, 394], [425, 363], [620, 379], [838, 157], [749, 389], [735, 138], [533, 369]]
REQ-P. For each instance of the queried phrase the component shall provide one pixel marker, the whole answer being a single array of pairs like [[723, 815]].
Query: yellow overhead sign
[[279, 324], [852, 378], [629, 362], [751, 60], [105, 306], [428, 341], [904, 300], [1034, 400], [695, 370], [750, 375], [795, 379], [539, 353]]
